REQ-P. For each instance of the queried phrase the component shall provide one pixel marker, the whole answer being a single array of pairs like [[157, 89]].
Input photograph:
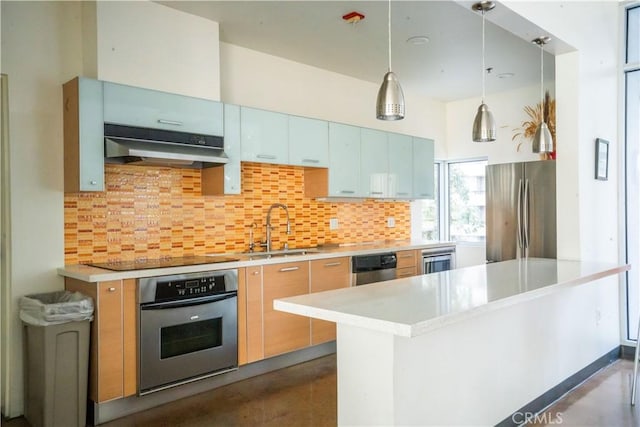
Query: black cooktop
[[142, 264]]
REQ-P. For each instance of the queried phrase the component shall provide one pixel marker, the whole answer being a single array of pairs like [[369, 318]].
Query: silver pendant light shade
[[390, 103], [484, 126], [542, 141]]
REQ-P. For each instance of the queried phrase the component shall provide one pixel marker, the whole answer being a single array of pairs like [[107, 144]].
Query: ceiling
[[448, 67]]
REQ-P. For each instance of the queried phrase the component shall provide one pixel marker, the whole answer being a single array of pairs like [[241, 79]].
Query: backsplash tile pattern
[[154, 212]]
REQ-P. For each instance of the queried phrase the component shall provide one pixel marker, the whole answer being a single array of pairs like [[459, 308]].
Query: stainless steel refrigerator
[[521, 210]]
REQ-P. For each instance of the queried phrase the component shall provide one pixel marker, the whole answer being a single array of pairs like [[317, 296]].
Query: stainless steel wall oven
[[187, 328]]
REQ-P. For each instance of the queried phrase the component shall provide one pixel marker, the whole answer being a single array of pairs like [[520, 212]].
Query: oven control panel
[[177, 287]]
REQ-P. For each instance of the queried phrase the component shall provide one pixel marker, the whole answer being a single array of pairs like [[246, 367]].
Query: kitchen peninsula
[[466, 346]]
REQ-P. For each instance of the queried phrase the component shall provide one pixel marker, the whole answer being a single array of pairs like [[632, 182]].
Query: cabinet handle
[[255, 273], [285, 269], [377, 193], [111, 289], [424, 194], [310, 161], [403, 194], [405, 274], [266, 156], [169, 122], [406, 256], [347, 191], [332, 264]]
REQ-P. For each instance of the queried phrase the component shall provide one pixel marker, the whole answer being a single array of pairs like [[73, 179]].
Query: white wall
[[264, 81], [145, 44]]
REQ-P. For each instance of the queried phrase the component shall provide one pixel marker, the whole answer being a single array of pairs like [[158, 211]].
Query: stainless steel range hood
[[144, 146]]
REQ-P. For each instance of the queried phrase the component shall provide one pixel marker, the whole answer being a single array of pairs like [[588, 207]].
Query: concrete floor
[[305, 395]]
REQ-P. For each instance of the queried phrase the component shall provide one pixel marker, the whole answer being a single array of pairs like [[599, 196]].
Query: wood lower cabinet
[[113, 351], [407, 264], [327, 274], [284, 332]]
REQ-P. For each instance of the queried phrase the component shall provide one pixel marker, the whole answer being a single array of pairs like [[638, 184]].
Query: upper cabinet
[[400, 153], [423, 168], [308, 142], [83, 135], [344, 165], [374, 163], [264, 136], [133, 106]]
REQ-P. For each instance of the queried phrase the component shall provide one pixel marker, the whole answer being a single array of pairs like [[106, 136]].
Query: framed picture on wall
[[602, 159]]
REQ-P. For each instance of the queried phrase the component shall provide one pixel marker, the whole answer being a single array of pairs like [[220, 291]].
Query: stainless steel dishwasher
[[374, 268]]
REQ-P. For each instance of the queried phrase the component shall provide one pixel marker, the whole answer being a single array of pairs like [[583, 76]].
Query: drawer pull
[[286, 269], [111, 289], [332, 264], [266, 156], [347, 191], [310, 161], [406, 256], [255, 273], [169, 122]]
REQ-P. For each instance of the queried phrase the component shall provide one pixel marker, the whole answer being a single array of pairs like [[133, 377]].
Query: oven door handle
[[187, 302]]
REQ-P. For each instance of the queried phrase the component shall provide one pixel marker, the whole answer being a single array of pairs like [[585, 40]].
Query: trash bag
[[54, 308]]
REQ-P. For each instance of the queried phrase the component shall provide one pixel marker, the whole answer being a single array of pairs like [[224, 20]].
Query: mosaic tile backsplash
[[155, 212]]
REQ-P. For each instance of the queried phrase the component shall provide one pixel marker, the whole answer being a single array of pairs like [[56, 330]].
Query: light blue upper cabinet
[[264, 136], [133, 106], [232, 176], [400, 153], [344, 165], [423, 168], [308, 142], [83, 136], [374, 164]]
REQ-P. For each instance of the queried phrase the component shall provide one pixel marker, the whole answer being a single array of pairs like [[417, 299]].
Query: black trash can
[[56, 357]]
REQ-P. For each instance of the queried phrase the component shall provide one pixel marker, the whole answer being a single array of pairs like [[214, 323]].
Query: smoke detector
[[353, 17]]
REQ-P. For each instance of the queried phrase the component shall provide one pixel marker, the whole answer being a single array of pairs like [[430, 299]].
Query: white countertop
[[92, 274], [416, 305]]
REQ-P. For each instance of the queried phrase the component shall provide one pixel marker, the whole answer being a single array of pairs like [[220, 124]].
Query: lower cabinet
[[327, 274], [284, 332], [113, 351], [407, 264]]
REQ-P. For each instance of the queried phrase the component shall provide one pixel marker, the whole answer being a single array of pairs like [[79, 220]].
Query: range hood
[[145, 146]]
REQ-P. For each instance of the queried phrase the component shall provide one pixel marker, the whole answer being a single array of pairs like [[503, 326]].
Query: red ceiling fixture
[[353, 17]]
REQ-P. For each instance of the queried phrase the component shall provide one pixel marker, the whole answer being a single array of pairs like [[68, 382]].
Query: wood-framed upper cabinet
[[83, 135]]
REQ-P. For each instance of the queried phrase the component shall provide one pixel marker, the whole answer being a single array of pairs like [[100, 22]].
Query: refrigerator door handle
[[519, 231], [526, 216]]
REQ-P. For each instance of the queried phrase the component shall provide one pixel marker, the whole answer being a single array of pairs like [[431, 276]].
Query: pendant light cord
[[483, 65], [542, 77], [389, 33]]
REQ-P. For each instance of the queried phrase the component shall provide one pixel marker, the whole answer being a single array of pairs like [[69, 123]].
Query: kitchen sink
[[282, 253]]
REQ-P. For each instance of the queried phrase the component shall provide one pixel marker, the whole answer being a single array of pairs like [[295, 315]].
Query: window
[[466, 188], [631, 81], [458, 209]]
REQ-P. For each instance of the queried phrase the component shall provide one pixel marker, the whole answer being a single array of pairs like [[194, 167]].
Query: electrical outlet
[[333, 223], [391, 222]]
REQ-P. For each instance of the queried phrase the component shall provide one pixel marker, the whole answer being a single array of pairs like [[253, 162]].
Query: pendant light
[[390, 103], [484, 126], [542, 141]]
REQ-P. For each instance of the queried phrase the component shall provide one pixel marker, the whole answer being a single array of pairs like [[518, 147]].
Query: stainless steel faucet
[[267, 243]]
